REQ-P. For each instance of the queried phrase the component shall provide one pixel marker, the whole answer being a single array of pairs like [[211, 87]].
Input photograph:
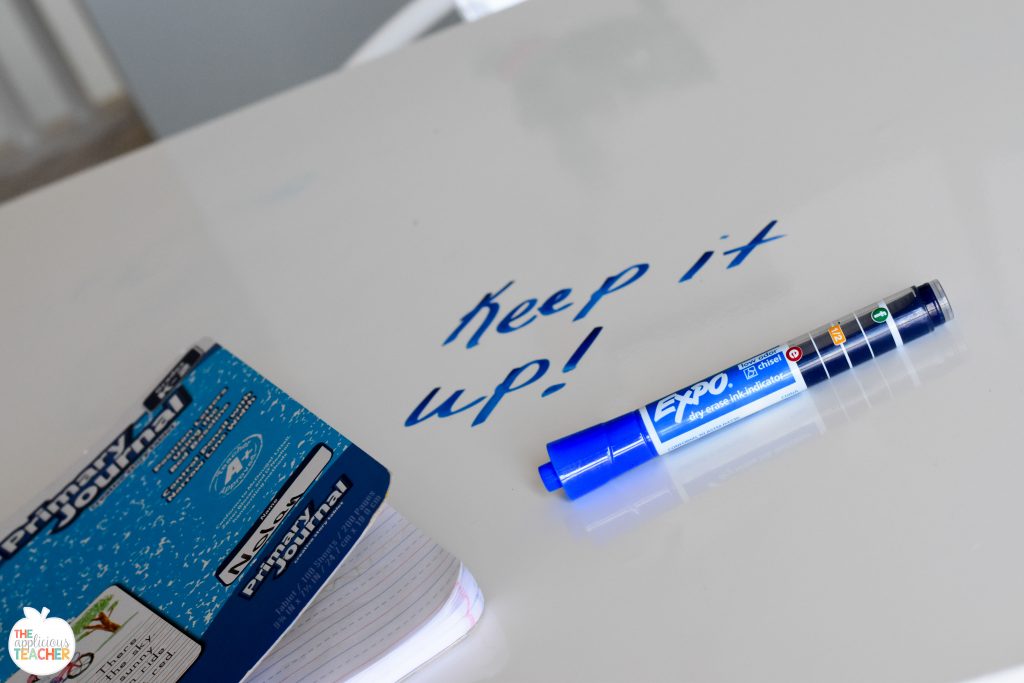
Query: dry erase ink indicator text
[[720, 399]]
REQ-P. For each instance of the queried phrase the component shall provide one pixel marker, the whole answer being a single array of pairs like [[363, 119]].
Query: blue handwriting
[[490, 314]]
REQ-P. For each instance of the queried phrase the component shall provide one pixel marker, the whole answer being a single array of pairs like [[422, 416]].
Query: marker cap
[[938, 293], [585, 460]]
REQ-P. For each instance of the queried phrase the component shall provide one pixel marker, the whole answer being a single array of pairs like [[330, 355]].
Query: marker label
[[721, 399], [837, 334]]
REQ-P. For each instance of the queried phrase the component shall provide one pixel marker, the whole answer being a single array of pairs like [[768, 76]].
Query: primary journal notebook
[[189, 544]]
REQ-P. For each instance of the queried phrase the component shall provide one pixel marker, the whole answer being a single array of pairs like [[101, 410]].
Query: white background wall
[[27, 69]]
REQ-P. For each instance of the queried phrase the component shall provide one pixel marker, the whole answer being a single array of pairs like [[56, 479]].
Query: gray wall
[[185, 61]]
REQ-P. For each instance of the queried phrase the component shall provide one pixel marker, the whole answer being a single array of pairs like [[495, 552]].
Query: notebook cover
[[187, 546]]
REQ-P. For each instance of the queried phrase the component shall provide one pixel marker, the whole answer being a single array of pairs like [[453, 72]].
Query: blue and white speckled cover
[[224, 508]]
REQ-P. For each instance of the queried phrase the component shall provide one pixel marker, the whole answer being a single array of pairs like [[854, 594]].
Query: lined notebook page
[[451, 624], [394, 584]]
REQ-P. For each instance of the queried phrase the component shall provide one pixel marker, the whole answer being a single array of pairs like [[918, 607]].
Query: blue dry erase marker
[[585, 460]]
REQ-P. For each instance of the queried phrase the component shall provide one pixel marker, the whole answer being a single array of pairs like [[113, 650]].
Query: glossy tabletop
[[336, 236]]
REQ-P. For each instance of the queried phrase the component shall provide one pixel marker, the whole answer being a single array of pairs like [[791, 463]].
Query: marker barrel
[[581, 462]]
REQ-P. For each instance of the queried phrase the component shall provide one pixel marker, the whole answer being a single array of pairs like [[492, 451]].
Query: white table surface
[[333, 236]]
